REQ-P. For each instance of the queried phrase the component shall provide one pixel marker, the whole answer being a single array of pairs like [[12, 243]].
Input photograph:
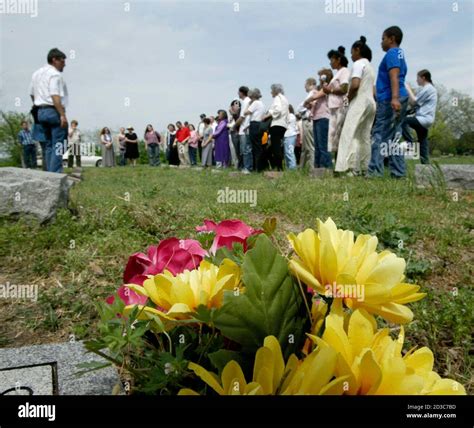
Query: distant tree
[[454, 119], [10, 126]]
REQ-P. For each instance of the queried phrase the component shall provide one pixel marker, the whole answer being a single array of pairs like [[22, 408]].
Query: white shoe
[[245, 171]]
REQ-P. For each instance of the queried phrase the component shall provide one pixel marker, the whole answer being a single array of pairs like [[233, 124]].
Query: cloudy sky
[[140, 62]]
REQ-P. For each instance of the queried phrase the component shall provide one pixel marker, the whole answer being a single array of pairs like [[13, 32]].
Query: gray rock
[[273, 174], [320, 172], [32, 192], [455, 176], [54, 371]]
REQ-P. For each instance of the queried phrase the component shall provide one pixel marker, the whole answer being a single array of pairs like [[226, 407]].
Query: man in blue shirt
[[392, 101], [29, 146]]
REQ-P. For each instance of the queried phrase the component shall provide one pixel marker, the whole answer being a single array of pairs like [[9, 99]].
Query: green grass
[[79, 259]]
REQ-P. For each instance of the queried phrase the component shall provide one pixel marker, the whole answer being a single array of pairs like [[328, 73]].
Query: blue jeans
[[385, 139], [290, 158], [246, 151], [322, 158], [193, 155], [153, 154], [122, 160], [29, 155], [55, 137], [236, 142], [421, 133]]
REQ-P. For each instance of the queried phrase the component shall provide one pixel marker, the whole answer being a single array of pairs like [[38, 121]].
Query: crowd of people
[[351, 121]]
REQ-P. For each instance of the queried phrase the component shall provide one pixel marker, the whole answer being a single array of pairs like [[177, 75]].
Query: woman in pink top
[[193, 145], [318, 104], [336, 90]]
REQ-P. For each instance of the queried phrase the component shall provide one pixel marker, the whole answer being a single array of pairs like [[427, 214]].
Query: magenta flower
[[175, 255], [227, 232]]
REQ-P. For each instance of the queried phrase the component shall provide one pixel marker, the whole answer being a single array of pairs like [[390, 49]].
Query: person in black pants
[[256, 111]]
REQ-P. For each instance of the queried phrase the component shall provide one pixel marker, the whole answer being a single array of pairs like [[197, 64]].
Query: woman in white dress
[[355, 143]]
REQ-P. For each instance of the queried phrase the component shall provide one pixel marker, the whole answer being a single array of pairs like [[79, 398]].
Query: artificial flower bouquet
[[234, 314]]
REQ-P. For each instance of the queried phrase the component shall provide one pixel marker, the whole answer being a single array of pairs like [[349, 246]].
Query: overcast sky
[[173, 60]]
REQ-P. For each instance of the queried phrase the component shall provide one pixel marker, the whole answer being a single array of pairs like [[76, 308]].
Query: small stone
[[273, 174]]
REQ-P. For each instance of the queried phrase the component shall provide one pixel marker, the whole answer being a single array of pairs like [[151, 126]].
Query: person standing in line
[[25, 138], [131, 146], [354, 147], [320, 115], [200, 131], [221, 141], [213, 123], [172, 146], [108, 155], [392, 102], [299, 138], [206, 158], [336, 91], [49, 93], [40, 138], [152, 145], [182, 137], [122, 147], [290, 139], [74, 136], [278, 112], [234, 114], [425, 104], [242, 124], [307, 140], [193, 145], [256, 111]]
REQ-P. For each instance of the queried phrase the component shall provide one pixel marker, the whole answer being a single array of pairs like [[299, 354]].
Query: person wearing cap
[[131, 146], [49, 94]]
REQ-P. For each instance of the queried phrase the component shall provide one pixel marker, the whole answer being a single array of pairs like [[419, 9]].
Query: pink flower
[[227, 232], [175, 255]]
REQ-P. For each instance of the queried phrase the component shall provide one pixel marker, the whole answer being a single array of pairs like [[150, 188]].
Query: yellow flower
[[272, 377], [373, 363], [332, 264], [177, 297]]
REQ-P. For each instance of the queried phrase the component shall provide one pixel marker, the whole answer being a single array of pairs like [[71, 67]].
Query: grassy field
[[79, 259]]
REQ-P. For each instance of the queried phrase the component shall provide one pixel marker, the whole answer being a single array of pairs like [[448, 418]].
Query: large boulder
[[32, 192], [455, 176]]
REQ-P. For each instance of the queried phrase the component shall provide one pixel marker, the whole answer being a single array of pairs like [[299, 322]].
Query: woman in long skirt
[[221, 141], [171, 146], [108, 155], [355, 143]]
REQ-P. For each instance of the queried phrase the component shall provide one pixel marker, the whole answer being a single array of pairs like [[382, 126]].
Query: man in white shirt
[[242, 124], [256, 112], [49, 94]]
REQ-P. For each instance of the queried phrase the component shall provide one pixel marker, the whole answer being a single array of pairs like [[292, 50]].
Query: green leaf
[[269, 225], [270, 305], [204, 314], [220, 358], [90, 367]]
